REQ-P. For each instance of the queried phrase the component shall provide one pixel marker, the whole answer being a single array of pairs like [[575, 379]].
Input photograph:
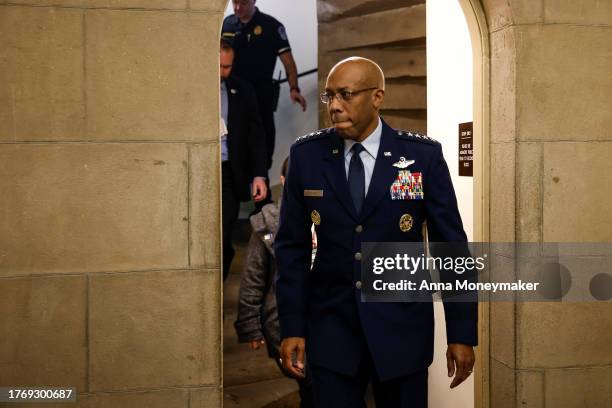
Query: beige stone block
[[211, 5], [205, 397], [563, 334], [172, 398], [502, 332], [530, 389], [579, 387], [41, 91], [401, 24], [502, 192], [498, 14], [529, 174], [81, 402], [576, 176], [502, 321], [329, 10], [154, 329], [503, 86], [42, 332], [150, 75], [205, 211], [502, 383], [587, 12], [93, 207], [117, 4], [564, 83], [503, 13], [527, 11], [166, 399]]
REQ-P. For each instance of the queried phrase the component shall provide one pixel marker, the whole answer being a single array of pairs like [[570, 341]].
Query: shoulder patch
[[282, 33], [417, 137], [311, 136]]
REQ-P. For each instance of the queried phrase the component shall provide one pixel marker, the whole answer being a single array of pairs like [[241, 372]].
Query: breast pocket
[[408, 216], [315, 203]]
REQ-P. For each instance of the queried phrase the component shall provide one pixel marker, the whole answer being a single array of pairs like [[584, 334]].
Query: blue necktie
[[356, 177]]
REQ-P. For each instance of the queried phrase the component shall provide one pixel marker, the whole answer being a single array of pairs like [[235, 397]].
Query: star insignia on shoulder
[[417, 136], [312, 135]]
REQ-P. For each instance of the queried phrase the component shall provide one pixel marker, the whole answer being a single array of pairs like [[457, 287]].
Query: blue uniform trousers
[[334, 390]]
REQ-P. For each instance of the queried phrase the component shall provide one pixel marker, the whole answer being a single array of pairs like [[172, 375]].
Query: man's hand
[[289, 346], [297, 97], [259, 189], [256, 344], [460, 362]]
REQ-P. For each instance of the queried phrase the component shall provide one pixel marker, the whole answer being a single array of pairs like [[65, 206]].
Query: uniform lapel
[[335, 173], [384, 173]]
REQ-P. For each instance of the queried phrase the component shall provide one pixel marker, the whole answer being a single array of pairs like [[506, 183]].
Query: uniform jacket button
[[358, 256], [358, 228], [358, 284]]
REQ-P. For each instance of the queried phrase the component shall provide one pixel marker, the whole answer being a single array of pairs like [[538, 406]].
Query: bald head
[[364, 71], [358, 88]]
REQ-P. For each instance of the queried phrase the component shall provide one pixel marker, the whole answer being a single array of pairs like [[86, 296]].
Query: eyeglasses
[[343, 96]]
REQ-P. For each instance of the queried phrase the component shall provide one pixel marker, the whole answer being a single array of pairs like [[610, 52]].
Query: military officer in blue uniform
[[343, 180]]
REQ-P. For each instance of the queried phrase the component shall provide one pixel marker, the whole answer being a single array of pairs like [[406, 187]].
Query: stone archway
[[477, 24], [351, 28]]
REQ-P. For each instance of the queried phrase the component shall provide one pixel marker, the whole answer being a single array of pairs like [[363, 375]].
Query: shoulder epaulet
[[417, 137], [311, 136]]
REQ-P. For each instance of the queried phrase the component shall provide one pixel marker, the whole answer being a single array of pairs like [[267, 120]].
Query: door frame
[[478, 29]]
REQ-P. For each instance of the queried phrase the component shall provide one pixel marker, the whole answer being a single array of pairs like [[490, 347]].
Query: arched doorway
[[413, 117], [460, 76]]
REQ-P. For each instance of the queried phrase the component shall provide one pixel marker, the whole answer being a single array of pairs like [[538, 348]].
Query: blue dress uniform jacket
[[323, 304]]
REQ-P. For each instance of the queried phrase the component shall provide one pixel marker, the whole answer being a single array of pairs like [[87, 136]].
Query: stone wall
[[109, 235], [550, 144]]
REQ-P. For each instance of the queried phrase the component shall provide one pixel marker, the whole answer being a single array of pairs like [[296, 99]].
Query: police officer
[[343, 180], [258, 40]]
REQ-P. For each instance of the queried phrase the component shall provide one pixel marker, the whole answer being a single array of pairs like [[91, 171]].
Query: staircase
[[390, 32]]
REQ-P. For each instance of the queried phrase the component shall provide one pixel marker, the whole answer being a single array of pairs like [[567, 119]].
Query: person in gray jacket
[[257, 322]]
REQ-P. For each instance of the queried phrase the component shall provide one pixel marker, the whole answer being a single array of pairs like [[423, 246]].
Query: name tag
[[313, 193]]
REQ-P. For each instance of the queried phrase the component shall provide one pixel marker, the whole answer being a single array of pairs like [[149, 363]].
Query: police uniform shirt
[[256, 44]]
